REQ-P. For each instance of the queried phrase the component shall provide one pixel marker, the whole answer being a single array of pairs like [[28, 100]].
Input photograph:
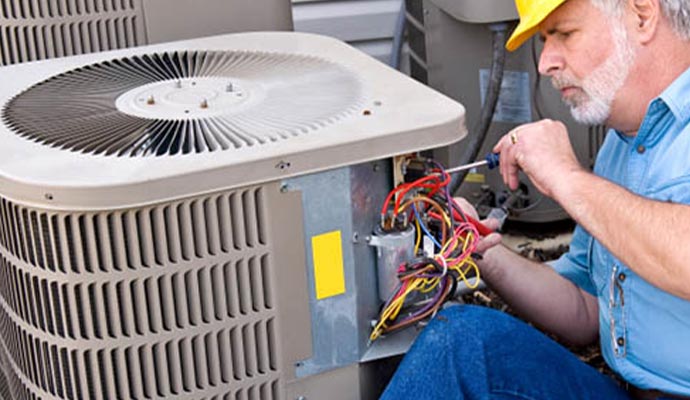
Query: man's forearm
[[539, 294], [649, 236]]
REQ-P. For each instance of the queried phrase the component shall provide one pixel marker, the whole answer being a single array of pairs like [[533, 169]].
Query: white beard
[[591, 105]]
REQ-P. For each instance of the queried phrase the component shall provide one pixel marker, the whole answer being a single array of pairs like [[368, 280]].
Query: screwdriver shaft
[[467, 166]]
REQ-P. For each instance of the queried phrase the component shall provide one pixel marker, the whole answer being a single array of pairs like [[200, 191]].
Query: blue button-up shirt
[[644, 331]]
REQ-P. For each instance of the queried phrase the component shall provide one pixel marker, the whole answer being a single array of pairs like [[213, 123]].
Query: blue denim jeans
[[476, 353]]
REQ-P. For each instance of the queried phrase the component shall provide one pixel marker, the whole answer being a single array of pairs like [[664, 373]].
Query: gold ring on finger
[[513, 137]]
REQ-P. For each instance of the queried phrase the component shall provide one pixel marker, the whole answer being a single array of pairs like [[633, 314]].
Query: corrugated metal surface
[[366, 24]]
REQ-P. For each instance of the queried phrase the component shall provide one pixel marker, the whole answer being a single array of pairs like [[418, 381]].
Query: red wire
[[405, 188]]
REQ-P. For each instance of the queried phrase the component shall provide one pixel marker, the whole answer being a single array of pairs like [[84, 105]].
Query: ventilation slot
[[144, 238], [39, 29], [265, 391], [214, 359], [246, 351], [140, 306], [167, 300], [46, 9], [4, 386]]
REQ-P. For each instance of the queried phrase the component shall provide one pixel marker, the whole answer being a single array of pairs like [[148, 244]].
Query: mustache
[[559, 82]]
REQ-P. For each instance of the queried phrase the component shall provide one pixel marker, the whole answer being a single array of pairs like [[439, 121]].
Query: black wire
[[493, 91], [537, 81], [460, 211], [453, 275], [441, 200], [414, 266]]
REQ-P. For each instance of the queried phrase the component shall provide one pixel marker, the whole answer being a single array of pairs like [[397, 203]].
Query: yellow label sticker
[[474, 177], [329, 273]]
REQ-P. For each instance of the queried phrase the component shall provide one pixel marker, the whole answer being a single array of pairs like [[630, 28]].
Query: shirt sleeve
[[574, 265]]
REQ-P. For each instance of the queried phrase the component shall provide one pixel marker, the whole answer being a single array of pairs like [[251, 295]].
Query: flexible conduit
[[493, 90]]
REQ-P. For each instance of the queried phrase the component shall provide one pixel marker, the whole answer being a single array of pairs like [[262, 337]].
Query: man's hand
[[543, 151], [487, 242]]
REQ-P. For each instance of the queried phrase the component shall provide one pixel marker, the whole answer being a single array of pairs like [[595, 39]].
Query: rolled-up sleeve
[[574, 265]]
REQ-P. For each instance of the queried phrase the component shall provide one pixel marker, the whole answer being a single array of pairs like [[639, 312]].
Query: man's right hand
[[542, 150]]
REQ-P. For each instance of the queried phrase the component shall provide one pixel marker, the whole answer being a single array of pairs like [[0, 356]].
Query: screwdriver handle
[[492, 160]]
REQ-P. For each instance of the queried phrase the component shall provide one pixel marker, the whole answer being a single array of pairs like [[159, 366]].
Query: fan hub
[[189, 98]]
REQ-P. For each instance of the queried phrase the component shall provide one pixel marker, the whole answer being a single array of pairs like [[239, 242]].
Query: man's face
[[588, 57]]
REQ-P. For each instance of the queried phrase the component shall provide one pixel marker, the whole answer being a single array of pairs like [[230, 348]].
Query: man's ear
[[646, 15]]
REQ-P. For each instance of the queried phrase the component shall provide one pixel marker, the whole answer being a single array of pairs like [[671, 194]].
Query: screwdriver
[[491, 160]]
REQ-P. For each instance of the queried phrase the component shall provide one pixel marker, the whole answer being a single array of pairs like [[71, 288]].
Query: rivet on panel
[[283, 165]]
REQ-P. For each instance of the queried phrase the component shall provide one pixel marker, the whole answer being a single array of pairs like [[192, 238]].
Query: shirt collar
[[675, 99]]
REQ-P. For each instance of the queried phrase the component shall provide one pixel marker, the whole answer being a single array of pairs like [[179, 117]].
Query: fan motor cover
[[168, 104]]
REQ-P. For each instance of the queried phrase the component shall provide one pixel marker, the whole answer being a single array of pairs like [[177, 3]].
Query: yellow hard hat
[[532, 13]]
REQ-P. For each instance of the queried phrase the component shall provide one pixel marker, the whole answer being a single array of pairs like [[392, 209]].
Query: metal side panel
[[345, 200], [364, 381], [289, 250], [338, 384]]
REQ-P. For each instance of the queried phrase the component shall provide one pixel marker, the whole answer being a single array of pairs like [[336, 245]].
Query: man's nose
[[550, 61]]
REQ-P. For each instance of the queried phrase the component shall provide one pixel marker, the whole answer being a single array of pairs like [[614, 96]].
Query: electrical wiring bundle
[[445, 239]]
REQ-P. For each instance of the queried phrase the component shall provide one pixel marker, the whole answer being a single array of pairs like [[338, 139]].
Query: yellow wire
[[429, 284], [419, 237], [392, 311], [411, 288], [426, 285], [433, 204]]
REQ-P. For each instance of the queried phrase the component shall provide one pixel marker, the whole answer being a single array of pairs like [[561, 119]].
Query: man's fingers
[[511, 167], [488, 242], [466, 207]]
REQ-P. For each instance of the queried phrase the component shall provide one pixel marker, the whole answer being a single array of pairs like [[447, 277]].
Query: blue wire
[[421, 224]]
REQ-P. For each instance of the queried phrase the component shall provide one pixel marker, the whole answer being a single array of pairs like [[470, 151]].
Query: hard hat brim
[[529, 25]]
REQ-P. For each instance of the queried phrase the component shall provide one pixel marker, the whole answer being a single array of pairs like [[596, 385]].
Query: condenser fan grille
[[184, 102]]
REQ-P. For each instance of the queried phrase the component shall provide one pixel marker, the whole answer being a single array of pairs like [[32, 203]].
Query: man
[[626, 278]]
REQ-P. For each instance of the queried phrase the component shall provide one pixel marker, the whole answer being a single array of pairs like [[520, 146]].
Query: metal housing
[[191, 275]]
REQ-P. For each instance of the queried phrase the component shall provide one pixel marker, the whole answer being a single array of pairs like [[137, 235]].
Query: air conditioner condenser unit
[[188, 220]]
